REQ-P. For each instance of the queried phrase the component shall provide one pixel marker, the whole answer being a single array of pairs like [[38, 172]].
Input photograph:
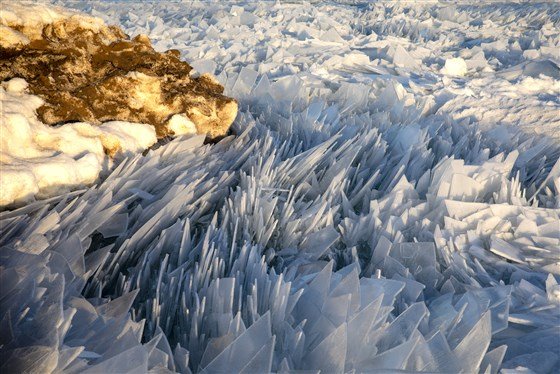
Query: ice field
[[389, 202]]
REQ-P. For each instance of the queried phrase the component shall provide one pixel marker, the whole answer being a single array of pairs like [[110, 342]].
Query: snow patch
[[455, 66], [181, 125]]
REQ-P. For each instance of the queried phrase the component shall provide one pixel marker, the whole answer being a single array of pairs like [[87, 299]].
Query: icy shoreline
[[370, 215]]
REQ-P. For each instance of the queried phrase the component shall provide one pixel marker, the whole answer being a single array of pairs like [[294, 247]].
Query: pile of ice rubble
[[353, 224]]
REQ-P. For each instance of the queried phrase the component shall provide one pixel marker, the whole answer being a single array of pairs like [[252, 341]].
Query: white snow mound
[[455, 66]]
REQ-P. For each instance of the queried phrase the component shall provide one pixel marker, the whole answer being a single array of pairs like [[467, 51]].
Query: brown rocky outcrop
[[86, 71]]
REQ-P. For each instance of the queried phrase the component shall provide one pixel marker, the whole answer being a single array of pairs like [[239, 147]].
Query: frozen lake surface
[[389, 202]]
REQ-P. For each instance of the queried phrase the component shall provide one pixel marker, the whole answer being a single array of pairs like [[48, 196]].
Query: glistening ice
[[389, 202]]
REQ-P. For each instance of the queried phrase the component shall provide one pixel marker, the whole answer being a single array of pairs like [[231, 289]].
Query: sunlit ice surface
[[389, 201]]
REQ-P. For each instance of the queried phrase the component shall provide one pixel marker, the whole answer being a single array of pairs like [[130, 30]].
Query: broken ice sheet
[[443, 192], [508, 251]]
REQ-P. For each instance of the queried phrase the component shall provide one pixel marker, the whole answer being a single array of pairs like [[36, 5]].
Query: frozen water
[[370, 213]]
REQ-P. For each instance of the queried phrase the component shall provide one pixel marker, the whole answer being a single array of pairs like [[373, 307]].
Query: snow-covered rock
[[84, 73], [87, 71], [42, 161]]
